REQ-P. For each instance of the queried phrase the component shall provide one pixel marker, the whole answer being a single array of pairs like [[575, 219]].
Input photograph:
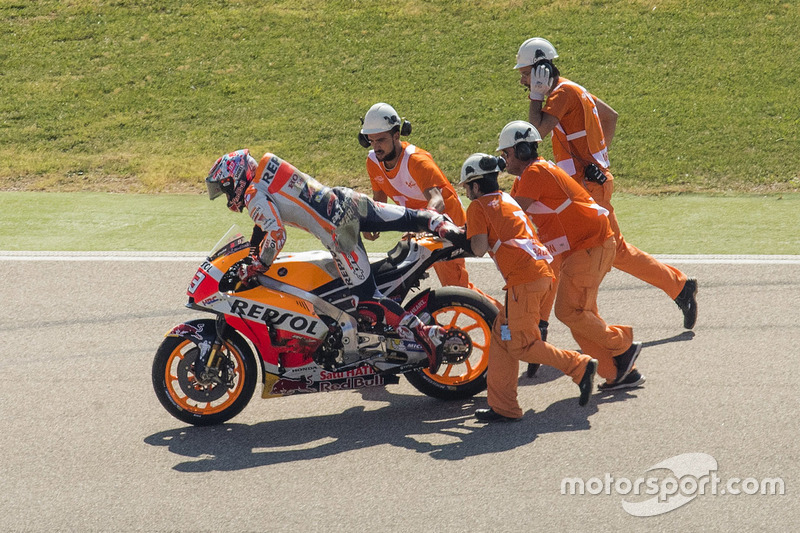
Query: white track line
[[199, 256]]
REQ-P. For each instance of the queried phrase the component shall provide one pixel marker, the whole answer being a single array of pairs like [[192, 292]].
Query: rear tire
[[474, 314], [184, 398]]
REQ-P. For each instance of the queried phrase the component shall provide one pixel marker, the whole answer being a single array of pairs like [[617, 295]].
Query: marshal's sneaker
[[633, 380], [624, 362], [490, 415], [587, 383], [687, 301]]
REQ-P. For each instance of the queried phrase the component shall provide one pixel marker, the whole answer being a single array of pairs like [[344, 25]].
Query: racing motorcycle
[[301, 330]]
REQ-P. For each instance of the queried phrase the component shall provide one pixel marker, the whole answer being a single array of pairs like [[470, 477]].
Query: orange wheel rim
[[479, 332], [222, 398]]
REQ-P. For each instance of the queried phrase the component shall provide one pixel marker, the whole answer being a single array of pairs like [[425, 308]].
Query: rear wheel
[[188, 399], [463, 372]]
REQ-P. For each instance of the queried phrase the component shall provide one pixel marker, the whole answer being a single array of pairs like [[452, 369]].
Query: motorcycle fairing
[[305, 270], [324, 381]]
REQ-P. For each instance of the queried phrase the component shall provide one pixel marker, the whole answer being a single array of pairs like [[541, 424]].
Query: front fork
[[212, 366]]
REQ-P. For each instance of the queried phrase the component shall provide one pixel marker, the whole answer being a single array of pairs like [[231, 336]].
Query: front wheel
[[186, 398], [473, 314]]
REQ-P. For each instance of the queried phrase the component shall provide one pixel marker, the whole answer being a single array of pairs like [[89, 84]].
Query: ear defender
[[362, 138], [522, 151], [405, 130]]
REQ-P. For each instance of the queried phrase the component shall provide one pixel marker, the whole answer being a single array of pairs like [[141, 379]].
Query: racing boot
[[429, 337], [410, 327]]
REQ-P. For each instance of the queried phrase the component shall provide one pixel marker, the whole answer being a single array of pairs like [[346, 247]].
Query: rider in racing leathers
[[275, 192]]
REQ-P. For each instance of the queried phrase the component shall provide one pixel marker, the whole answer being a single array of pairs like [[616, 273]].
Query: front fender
[[197, 330], [203, 333]]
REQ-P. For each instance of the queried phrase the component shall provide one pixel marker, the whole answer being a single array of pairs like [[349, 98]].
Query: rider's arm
[[256, 238], [266, 216]]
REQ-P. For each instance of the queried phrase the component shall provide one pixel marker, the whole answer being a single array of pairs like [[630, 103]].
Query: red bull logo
[[187, 330], [290, 386]]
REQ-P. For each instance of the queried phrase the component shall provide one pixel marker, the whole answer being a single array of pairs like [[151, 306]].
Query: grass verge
[[675, 224]]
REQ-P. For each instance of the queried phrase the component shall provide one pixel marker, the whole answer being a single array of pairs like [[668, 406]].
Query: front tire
[[185, 398], [474, 314]]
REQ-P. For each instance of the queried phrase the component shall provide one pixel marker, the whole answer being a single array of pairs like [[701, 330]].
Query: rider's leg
[[378, 216], [353, 264], [408, 326]]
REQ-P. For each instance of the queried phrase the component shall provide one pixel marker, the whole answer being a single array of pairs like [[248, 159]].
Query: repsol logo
[[270, 170], [286, 320]]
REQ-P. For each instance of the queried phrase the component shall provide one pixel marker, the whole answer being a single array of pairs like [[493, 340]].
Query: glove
[[249, 268], [447, 230], [541, 80]]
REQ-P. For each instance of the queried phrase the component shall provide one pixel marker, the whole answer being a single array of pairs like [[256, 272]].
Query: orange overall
[[575, 229], [406, 183], [523, 262], [577, 142]]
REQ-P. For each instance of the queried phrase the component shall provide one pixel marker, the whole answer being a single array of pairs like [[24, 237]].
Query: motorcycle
[[301, 330]]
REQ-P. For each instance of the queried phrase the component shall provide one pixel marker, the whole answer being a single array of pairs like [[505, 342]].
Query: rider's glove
[[445, 229], [249, 268], [541, 80]]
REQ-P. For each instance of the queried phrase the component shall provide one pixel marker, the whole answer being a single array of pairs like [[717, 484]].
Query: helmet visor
[[217, 188]]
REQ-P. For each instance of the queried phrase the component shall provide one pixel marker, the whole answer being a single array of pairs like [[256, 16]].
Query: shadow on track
[[546, 373], [685, 336], [446, 431]]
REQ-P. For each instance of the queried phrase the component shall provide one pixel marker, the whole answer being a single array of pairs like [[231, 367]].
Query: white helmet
[[518, 131], [533, 50], [380, 117], [480, 164]]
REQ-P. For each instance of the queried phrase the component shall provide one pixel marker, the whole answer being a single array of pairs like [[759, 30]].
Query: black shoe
[[687, 301], [587, 382], [533, 367], [490, 415], [624, 362], [634, 379]]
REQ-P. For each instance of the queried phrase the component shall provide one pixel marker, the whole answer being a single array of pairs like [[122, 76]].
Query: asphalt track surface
[[87, 447]]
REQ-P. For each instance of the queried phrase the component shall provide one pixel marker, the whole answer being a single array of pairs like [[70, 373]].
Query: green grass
[[143, 95], [677, 224]]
